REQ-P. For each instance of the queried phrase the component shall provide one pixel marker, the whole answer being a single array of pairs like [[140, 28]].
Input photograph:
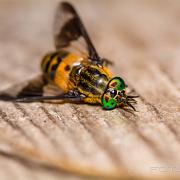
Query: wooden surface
[[68, 141]]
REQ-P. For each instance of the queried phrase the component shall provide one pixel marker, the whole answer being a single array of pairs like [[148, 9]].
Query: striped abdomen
[[57, 67], [51, 62]]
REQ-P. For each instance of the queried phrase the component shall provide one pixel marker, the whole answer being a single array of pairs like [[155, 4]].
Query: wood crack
[[103, 143], [16, 127]]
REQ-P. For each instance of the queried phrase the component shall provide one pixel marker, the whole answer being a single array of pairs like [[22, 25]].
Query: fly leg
[[71, 95]]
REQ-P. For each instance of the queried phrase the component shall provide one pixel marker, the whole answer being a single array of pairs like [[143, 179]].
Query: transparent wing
[[69, 32], [33, 87], [37, 89]]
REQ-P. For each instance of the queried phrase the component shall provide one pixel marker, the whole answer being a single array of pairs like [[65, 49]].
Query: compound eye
[[113, 93], [117, 83], [108, 102]]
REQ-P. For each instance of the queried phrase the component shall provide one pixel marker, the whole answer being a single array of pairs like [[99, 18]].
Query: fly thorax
[[91, 80]]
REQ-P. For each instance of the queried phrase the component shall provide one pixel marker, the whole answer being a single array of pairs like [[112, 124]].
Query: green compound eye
[[108, 103], [117, 83], [108, 99]]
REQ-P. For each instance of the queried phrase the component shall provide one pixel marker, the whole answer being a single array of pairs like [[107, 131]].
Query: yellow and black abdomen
[[57, 66]]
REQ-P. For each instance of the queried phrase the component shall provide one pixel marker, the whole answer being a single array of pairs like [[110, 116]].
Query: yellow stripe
[[45, 60], [53, 62]]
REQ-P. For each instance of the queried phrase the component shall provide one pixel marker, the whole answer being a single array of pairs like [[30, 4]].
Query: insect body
[[69, 71], [82, 76]]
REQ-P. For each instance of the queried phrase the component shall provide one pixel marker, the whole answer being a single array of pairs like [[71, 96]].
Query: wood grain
[[78, 141]]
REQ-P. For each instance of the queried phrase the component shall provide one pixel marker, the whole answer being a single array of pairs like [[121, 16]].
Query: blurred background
[[142, 38], [140, 26]]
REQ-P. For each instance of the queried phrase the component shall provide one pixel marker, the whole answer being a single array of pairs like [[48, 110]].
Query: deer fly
[[74, 71]]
